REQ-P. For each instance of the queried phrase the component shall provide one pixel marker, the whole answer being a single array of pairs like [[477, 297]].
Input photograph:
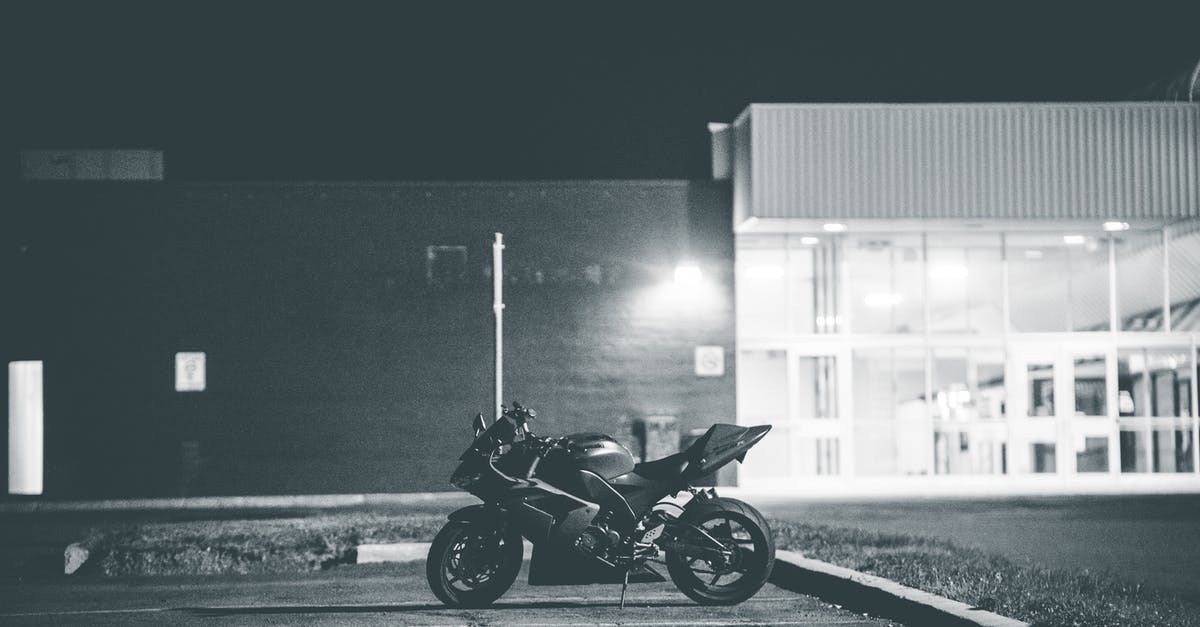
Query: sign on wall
[[710, 361], [189, 372]]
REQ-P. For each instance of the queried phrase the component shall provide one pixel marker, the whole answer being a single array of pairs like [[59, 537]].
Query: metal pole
[[498, 310]]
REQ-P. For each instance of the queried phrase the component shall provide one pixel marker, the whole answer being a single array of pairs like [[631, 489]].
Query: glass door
[[1061, 399]]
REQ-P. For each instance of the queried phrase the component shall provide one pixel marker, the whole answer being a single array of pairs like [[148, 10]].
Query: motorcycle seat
[[665, 468]]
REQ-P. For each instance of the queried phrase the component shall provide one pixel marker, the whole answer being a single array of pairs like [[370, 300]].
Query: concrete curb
[[879, 596]]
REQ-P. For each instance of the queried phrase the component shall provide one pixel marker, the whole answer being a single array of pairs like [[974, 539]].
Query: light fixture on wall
[[1116, 226], [834, 227], [1074, 240]]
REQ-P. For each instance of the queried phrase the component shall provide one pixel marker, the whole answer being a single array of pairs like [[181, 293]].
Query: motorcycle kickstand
[[623, 587]]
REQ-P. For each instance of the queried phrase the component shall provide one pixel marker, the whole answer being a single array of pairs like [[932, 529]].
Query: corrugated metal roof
[[976, 161]]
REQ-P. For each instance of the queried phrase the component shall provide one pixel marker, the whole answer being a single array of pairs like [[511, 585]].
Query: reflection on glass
[[1139, 280], [819, 456], [760, 284], [1134, 457], [1184, 250], [802, 285], [1039, 379], [1044, 457], [885, 284], [1172, 450], [964, 272], [1090, 389], [892, 428], [762, 385], [1093, 456], [817, 397], [1056, 283], [1154, 383]]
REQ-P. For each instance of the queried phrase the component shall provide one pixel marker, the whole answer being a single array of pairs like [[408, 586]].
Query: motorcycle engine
[[597, 540]]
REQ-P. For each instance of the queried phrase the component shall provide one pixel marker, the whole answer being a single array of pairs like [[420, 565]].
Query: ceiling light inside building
[[1116, 226], [809, 240], [1074, 240], [882, 299], [834, 227], [1033, 253]]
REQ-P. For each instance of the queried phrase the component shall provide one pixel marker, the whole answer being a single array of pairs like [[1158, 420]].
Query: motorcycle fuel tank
[[599, 454]]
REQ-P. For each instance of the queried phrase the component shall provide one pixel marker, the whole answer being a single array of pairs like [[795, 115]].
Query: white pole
[[498, 310], [25, 427]]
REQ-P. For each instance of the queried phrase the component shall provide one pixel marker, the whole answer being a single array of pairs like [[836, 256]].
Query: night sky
[[520, 90]]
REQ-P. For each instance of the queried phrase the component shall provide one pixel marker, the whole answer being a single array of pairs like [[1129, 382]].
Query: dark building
[[347, 327]]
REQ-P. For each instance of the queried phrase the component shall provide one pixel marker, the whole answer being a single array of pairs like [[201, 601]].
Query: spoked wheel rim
[[747, 556]]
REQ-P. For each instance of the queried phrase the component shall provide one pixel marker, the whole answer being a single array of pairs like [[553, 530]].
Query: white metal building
[[967, 297]]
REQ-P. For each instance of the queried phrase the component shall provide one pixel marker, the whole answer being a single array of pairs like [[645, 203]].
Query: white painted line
[[958, 609]]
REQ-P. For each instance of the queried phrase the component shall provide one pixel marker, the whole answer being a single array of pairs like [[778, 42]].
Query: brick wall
[[334, 365]]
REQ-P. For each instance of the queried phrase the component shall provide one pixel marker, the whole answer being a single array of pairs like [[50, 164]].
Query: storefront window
[[761, 286], [817, 389], [965, 273], [1139, 280], [1184, 255], [892, 429], [886, 286], [1090, 389], [1039, 379], [1058, 282], [1092, 455]]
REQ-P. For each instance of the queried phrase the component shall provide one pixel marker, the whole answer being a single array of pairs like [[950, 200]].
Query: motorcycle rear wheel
[[472, 564], [741, 529]]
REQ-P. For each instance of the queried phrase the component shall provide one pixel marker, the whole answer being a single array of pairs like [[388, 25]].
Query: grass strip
[[1042, 596], [247, 546]]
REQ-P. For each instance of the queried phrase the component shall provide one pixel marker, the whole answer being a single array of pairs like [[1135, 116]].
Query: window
[[762, 293], [886, 284], [1139, 280], [1184, 251], [965, 274], [891, 423], [1057, 282]]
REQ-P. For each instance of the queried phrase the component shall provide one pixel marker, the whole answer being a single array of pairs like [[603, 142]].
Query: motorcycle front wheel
[[744, 533], [472, 564]]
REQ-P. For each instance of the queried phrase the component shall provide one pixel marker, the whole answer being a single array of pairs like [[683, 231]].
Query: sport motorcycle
[[594, 516]]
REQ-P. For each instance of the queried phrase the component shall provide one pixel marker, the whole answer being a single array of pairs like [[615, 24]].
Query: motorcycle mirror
[[478, 424]]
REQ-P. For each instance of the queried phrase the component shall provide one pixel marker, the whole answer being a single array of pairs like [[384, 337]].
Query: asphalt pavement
[[380, 594]]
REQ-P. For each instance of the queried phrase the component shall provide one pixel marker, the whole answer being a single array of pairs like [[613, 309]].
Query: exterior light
[[882, 299], [687, 274], [1074, 240], [950, 271], [1116, 226], [761, 273], [834, 227], [809, 240]]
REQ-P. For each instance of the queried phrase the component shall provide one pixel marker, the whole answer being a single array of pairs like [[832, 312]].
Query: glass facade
[[958, 351]]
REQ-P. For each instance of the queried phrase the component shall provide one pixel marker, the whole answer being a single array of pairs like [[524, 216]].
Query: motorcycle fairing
[[720, 445]]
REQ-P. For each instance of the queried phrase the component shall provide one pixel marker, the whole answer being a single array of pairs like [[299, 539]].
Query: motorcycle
[[594, 516]]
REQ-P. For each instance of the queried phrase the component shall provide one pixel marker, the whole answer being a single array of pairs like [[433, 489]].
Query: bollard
[[25, 427]]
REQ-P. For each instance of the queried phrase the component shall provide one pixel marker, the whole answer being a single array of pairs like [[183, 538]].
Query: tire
[[472, 564], [739, 527]]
